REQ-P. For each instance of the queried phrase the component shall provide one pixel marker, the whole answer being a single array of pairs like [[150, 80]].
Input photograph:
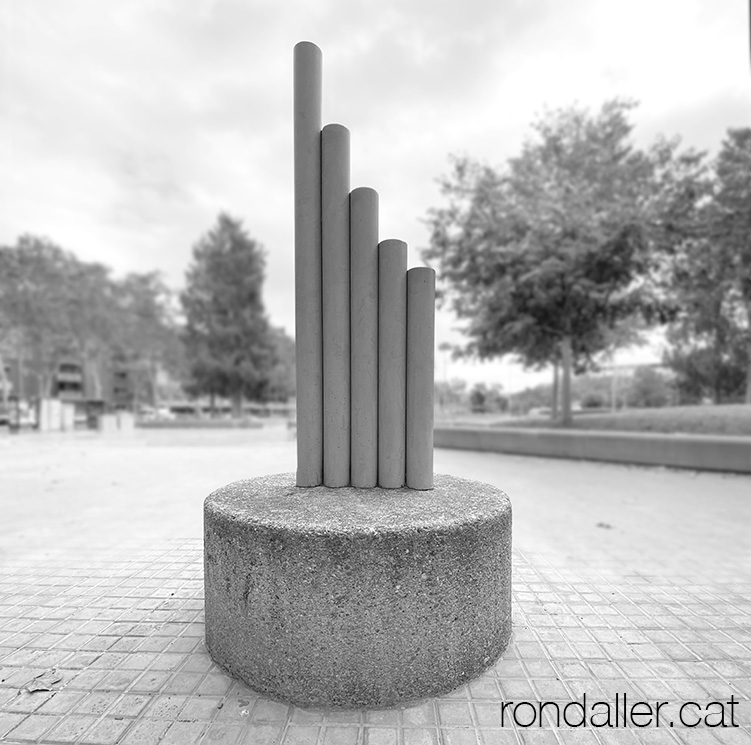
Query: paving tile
[[123, 626], [305, 716], [34, 726], [72, 728], [341, 736], [300, 735], [165, 706], [106, 731], [419, 716], [452, 713], [223, 733], [24, 702], [381, 736], [384, 717], [184, 733], [203, 708], [262, 734], [498, 737], [420, 736], [459, 735], [214, 684], [145, 732], [9, 720], [270, 711]]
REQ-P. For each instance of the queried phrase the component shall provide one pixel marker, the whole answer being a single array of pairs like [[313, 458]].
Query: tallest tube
[[308, 303]]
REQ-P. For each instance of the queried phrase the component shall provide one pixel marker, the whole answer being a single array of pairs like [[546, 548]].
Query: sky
[[126, 127]]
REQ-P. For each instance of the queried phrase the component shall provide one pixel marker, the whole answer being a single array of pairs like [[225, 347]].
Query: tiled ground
[[107, 646]]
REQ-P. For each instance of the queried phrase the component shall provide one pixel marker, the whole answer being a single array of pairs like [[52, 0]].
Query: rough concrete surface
[[342, 598]]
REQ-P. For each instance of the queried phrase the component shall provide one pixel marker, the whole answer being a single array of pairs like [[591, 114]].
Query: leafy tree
[[706, 345], [54, 305], [710, 340], [451, 394], [730, 219], [35, 294], [593, 400], [711, 367], [478, 398], [282, 380], [94, 321], [147, 337], [543, 257], [648, 388], [539, 396], [230, 345]]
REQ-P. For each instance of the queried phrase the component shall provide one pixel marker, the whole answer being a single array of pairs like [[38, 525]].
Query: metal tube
[[308, 313], [392, 362], [336, 304], [420, 376], [364, 336]]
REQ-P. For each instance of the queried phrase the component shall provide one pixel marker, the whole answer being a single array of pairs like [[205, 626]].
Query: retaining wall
[[698, 452]]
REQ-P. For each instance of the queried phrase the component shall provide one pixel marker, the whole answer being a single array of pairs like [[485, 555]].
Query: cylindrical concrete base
[[356, 598]]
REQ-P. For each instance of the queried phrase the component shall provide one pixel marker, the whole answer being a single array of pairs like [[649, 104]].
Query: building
[[109, 385]]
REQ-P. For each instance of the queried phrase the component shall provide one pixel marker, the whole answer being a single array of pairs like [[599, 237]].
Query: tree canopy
[[231, 347], [544, 256], [710, 274], [54, 305]]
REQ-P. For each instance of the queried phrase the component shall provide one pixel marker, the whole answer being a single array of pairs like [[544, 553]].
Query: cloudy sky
[[126, 126]]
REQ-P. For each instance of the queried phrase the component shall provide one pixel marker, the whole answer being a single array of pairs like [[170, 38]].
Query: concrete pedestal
[[356, 598]]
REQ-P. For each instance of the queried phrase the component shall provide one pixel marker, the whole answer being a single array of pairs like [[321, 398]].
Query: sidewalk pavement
[[627, 581]]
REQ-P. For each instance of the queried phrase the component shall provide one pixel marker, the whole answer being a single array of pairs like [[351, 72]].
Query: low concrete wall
[[698, 452], [196, 423]]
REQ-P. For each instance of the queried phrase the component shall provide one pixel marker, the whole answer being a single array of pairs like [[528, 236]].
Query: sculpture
[[363, 581], [365, 325]]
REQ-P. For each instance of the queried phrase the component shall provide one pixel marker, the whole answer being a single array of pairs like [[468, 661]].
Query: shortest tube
[[420, 376]]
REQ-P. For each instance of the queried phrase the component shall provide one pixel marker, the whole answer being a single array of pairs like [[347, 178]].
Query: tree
[[478, 398], [229, 344], [451, 394], [706, 345], [35, 303], [730, 220], [94, 320], [648, 388], [53, 305], [147, 337], [546, 255], [710, 276], [282, 380], [539, 396]]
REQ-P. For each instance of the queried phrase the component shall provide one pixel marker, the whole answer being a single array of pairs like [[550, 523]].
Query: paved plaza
[[628, 582]]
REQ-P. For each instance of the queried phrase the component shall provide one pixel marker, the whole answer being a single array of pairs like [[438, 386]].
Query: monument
[[363, 581]]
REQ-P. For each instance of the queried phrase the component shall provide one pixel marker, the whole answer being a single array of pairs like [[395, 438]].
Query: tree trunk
[[152, 376], [212, 404], [91, 369], [554, 408], [44, 385], [4, 382], [748, 372], [567, 419], [20, 392], [717, 346], [237, 405], [98, 389]]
